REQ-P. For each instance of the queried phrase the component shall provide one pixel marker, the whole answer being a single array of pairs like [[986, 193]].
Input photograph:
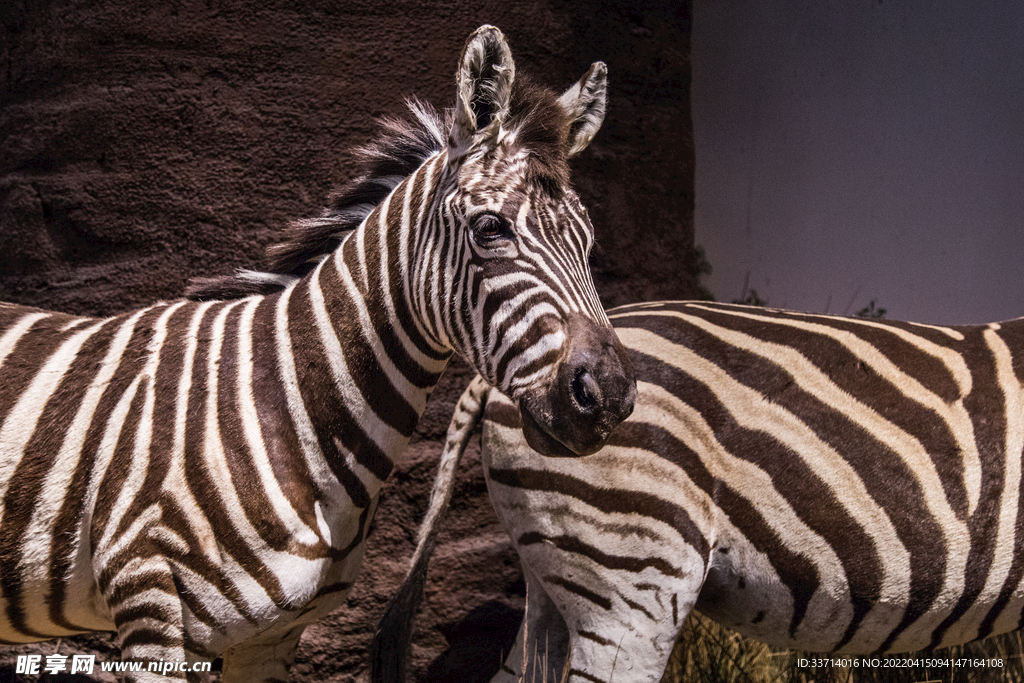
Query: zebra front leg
[[542, 644], [148, 614], [618, 647], [262, 660], [622, 630], [267, 656]]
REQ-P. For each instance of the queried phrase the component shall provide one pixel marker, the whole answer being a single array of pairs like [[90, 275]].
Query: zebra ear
[[584, 104], [484, 82]]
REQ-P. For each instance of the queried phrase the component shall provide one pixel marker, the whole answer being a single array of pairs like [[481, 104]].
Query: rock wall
[[143, 143]]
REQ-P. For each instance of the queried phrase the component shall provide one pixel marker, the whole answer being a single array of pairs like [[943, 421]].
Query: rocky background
[[143, 143]]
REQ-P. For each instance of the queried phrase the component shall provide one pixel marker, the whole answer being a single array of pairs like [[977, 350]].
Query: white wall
[[858, 149]]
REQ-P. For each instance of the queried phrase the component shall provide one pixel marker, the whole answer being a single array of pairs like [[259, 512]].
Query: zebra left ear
[[485, 76], [584, 104]]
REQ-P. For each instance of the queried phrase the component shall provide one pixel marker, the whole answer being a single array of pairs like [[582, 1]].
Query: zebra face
[[527, 315]]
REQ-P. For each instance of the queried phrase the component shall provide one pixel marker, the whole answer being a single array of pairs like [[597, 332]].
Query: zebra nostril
[[586, 391]]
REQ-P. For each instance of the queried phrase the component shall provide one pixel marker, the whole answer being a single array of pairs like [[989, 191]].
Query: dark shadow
[[477, 645]]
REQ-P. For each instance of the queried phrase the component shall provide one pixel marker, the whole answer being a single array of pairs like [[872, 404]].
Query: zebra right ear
[[584, 104], [484, 82]]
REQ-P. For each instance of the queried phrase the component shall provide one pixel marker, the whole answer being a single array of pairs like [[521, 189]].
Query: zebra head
[[519, 300]]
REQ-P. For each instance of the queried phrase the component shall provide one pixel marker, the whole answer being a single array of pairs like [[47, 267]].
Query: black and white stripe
[[199, 475], [817, 483]]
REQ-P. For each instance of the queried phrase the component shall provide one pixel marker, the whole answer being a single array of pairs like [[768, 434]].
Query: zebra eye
[[489, 228]]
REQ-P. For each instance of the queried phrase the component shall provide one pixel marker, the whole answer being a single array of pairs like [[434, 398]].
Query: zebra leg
[[607, 648], [600, 646], [148, 614], [622, 629], [262, 660], [267, 656], [542, 644]]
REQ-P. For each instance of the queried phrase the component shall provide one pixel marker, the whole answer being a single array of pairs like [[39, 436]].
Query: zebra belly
[[90, 617], [32, 618], [743, 591], [313, 587]]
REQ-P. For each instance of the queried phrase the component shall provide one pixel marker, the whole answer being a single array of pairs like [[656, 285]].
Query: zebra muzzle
[[594, 389]]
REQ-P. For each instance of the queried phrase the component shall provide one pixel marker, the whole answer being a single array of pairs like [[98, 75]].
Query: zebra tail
[[389, 652]]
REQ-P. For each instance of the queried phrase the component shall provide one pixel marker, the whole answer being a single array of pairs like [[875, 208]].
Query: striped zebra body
[[142, 476], [200, 475], [818, 483]]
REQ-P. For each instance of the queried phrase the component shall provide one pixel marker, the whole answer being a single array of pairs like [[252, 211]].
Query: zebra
[[199, 475], [817, 483]]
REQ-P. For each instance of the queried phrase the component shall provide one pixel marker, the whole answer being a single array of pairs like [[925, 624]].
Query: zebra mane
[[402, 146]]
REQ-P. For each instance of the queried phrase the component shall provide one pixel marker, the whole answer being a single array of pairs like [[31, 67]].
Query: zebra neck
[[361, 379], [395, 263]]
